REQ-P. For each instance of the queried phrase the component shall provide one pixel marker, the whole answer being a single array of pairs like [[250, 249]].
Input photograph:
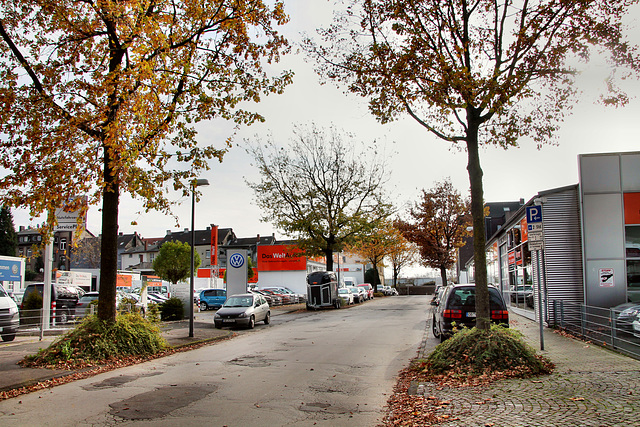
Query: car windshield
[[239, 302], [3, 293], [343, 291], [465, 297]]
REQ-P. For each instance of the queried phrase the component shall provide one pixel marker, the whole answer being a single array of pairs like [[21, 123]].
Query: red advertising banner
[[280, 258], [214, 245], [524, 233]]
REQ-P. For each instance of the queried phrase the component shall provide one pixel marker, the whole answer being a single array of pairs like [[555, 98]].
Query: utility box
[[322, 290]]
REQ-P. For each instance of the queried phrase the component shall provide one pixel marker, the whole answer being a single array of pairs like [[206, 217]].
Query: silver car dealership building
[[585, 247]]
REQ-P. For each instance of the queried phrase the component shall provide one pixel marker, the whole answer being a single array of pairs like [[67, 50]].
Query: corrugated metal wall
[[563, 278]]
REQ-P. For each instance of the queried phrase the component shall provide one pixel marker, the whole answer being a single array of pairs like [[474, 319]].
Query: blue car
[[212, 298]]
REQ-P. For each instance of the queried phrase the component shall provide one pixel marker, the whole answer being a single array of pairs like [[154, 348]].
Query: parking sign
[[534, 214]]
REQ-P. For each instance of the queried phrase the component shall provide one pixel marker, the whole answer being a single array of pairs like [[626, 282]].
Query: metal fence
[[31, 322], [607, 327]]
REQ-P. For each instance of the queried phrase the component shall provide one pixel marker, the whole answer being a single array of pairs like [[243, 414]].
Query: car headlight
[[244, 314], [217, 316], [13, 311]]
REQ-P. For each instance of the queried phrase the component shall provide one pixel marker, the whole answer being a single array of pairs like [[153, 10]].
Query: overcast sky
[[421, 159]]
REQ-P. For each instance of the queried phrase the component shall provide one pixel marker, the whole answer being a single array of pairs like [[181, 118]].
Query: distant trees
[[402, 254], [438, 226], [8, 236], [375, 247], [320, 189], [173, 262]]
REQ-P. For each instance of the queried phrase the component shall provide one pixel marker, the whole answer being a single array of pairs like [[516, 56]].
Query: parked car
[[457, 308], [301, 297], [272, 299], [519, 293], [368, 288], [346, 296], [17, 296], [636, 327], [284, 297], [83, 307], [359, 294], [243, 310], [626, 314], [288, 295], [212, 298], [65, 298], [9, 316]]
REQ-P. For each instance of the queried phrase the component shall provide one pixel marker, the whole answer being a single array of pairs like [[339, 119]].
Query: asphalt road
[[331, 367]]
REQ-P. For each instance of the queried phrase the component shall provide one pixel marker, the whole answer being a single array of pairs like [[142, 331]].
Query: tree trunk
[[483, 320], [443, 275], [328, 254], [109, 244]]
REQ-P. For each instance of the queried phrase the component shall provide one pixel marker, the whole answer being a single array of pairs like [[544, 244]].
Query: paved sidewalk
[[591, 386]]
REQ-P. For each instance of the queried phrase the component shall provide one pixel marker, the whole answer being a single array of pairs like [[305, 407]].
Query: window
[[632, 249]]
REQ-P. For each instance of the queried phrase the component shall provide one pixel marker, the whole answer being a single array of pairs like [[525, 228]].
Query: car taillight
[[452, 314], [499, 315]]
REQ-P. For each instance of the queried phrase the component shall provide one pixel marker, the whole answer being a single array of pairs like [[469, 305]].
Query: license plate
[[471, 314], [228, 320]]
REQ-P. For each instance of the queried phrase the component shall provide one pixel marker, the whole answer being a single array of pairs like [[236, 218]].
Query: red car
[[368, 288]]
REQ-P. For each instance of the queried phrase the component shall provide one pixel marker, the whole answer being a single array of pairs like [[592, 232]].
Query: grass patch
[[500, 352], [94, 341]]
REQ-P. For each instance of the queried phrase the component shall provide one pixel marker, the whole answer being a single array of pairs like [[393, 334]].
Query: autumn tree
[[375, 246], [438, 226], [474, 72], [401, 254], [100, 98], [320, 190], [8, 236], [173, 262]]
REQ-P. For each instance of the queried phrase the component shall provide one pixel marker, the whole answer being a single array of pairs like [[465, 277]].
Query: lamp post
[[197, 183]]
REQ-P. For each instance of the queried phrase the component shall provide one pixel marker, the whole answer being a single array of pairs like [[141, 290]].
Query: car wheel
[[63, 317], [267, 318], [203, 306], [252, 322], [9, 337], [434, 328]]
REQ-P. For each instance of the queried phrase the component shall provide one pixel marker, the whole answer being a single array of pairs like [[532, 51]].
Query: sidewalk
[[12, 376], [591, 386]]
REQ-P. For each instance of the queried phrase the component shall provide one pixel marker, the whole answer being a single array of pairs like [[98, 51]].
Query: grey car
[[243, 310]]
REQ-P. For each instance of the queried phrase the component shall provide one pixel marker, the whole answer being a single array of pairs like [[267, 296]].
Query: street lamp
[[197, 183]]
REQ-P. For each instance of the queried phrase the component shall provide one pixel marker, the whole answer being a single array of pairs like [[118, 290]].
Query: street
[[331, 367]]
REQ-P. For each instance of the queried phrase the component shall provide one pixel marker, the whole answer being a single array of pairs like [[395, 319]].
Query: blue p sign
[[534, 214]]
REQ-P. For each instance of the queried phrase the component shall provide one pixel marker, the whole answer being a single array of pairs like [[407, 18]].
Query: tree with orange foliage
[[439, 225], [100, 98]]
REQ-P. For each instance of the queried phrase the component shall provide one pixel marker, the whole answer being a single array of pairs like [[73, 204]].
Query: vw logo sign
[[236, 260]]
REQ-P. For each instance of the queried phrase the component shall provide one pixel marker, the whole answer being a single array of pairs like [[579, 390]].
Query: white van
[[9, 317], [349, 281]]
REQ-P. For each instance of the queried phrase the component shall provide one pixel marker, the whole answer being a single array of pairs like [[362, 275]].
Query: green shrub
[[472, 352], [94, 340], [30, 313], [32, 301], [172, 309]]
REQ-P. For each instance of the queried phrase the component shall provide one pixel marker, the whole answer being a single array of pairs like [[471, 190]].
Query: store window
[[632, 244], [632, 247]]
